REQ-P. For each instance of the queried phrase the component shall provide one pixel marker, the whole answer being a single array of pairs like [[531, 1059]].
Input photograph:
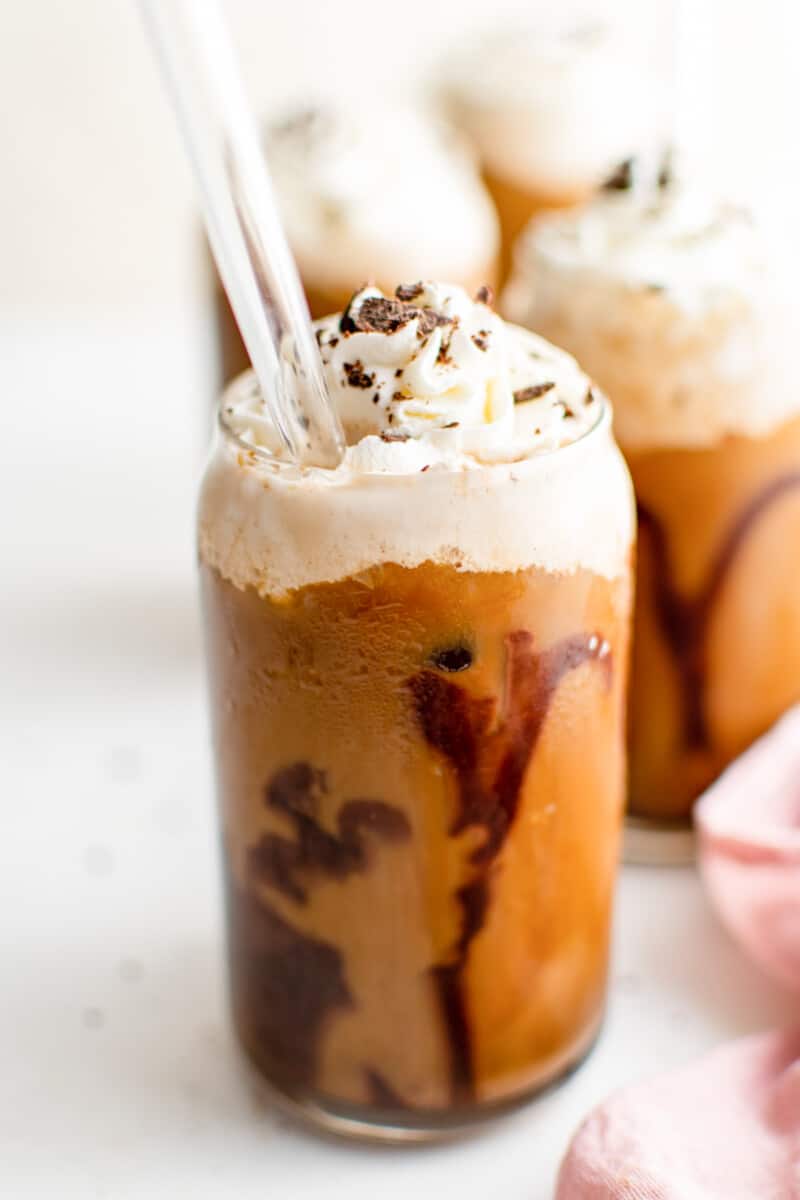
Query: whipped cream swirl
[[667, 296], [377, 191], [432, 374], [658, 236], [554, 109]]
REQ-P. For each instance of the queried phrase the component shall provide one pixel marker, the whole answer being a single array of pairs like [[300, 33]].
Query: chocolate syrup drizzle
[[286, 865], [685, 621], [489, 758], [287, 984], [288, 981]]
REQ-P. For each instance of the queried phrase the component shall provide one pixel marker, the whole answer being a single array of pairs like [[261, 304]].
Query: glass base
[[323, 1114], [651, 843]]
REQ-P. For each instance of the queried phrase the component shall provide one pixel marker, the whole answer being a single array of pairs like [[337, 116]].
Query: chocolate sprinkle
[[622, 178], [408, 291], [481, 339], [521, 395], [357, 377]]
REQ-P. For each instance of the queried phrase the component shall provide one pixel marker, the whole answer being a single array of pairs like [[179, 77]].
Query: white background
[[117, 1076]]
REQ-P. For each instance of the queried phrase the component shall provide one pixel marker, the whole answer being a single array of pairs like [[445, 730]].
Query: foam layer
[[528, 475], [665, 295], [372, 191], [553, 110]]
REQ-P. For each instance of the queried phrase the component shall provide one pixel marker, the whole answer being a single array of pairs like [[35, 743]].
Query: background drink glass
[[669, 299]]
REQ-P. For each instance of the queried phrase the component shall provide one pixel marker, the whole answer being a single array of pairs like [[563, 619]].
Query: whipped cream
[[379, 191], [666, 237], [554, 110], [470, 442], [665, 293]]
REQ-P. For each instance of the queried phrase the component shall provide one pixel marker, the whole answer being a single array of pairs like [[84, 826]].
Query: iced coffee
[[668, 299], [551, 110], [418, 664], [373, 191]]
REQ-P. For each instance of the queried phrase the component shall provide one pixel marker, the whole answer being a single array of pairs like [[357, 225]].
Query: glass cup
[[421, 776], [717, 653], [690, 337]]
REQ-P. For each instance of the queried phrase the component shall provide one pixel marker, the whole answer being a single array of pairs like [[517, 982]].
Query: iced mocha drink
[[667, 298], [418, 666], [551, 111]]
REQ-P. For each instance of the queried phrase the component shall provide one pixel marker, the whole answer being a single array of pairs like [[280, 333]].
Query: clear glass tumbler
[[421, 777]]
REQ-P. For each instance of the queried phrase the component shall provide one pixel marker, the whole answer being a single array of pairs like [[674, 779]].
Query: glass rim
[[268, 458]]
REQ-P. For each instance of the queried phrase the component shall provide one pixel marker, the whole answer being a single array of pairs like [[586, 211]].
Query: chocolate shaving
[[484, 295], [377, 314], [408, 291], [665, 172], [521, 395], [388, 436], [428, 319], [357, 377], [622, 178], [481, 339]]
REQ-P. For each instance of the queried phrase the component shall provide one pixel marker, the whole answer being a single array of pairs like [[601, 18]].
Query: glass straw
[[247, 239]]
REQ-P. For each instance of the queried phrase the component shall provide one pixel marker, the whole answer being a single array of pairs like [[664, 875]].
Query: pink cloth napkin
[[748, 826], [726, 1127]]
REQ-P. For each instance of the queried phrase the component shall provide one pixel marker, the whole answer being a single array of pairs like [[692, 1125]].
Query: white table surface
[[118, 1077]]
